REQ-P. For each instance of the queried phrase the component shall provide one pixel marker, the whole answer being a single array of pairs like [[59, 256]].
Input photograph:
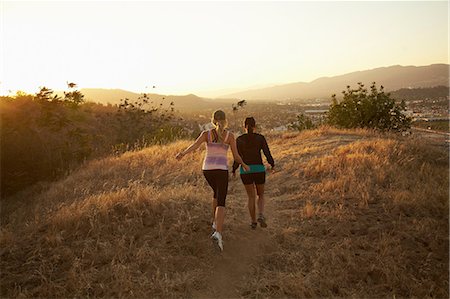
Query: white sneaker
[[218, 238]]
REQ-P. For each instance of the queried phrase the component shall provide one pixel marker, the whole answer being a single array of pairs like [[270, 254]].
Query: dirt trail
[[433, 137], [243, 248]]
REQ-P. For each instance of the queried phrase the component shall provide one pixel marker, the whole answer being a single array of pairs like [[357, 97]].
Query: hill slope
[[392, 78], [351, 214], [113, 96]]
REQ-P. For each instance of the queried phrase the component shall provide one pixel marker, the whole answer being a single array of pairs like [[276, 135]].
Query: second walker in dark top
[[249, 147]]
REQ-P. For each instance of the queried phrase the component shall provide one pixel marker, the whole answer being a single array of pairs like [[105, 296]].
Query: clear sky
[[211, 48]]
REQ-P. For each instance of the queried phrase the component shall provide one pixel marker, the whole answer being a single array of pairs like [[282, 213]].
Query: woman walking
[[249, 147], [215, 166]]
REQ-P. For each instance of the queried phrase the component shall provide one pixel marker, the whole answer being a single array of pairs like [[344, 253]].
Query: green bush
[[362, 109], [44, 136], [302, 122]]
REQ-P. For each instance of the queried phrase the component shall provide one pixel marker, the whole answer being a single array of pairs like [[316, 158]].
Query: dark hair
[[250, 124], [218, 115]]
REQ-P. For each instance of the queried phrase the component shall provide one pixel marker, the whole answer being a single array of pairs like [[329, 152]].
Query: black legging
[[218, 180]]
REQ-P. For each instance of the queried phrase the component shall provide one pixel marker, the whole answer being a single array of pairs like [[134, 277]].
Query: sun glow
[[194, 47]]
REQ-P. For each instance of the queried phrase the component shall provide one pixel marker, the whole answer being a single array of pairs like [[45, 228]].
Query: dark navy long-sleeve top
[[249, 147]]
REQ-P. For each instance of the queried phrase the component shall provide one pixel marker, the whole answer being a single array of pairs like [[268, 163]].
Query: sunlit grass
[[363, 215], [355, 214]]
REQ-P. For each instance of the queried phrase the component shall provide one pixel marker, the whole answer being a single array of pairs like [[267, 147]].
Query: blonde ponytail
[[220, 127], [220, 123]]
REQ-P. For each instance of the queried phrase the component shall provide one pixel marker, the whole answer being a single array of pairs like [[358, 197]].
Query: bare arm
[[202, 138], [235, 153], [236, 164]]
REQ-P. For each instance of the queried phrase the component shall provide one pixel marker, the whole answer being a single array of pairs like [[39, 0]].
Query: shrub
[[303, 122], [44, 136], [362, 109]]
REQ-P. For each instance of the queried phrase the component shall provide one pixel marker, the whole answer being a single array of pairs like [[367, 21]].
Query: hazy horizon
[[223, 93], [211, 48]]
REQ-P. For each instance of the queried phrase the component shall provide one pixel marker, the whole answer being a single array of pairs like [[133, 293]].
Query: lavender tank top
[[216, 154]]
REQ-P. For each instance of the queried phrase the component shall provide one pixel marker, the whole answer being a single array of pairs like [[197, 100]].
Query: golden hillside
[[350, 214]]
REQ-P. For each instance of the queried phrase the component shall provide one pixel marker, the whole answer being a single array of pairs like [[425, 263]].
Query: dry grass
[[353, 214], [132, 226], [361, 215]]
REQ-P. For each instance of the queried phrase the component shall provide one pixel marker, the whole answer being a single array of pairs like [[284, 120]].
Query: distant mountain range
[[392, 78], [113, 96]]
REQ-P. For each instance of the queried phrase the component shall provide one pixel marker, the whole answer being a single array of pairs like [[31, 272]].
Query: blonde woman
[[215, 166]]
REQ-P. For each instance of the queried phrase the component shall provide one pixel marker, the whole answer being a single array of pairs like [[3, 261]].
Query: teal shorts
[[254, 168]]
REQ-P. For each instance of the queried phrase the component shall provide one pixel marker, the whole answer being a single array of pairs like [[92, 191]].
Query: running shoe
[[262, 220], [253, 225], [217, 237]]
